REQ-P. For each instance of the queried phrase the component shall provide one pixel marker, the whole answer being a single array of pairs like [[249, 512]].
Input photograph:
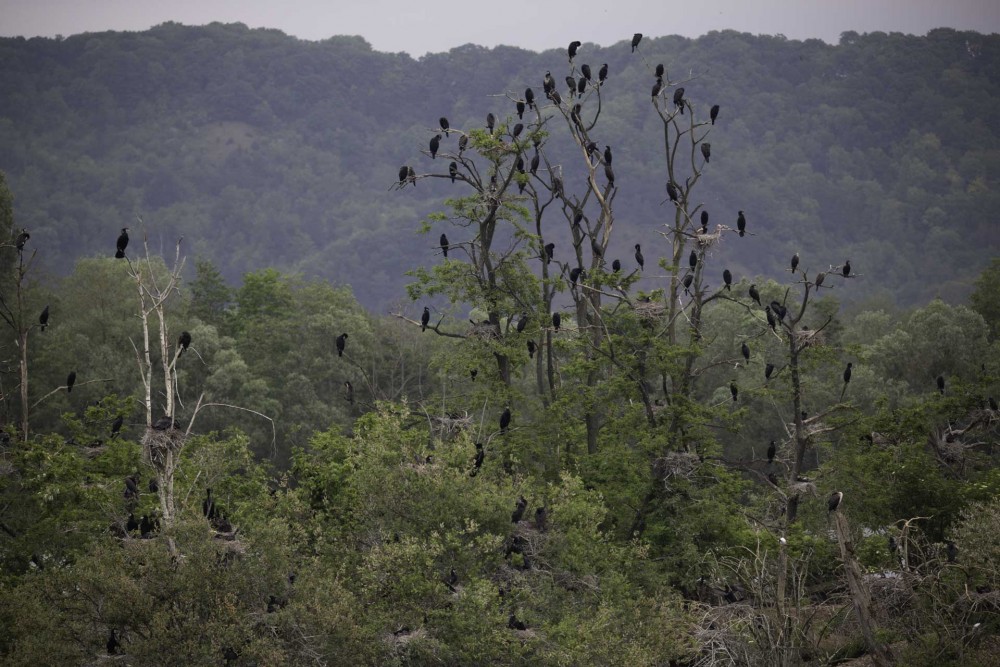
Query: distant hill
[[265, 150]]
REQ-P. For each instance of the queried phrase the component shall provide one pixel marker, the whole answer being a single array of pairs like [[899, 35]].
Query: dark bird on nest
[[70, 381], [550, 251], [444, 126], [208, 505], [704, 222], [660, 70], [556, 319], [477, 463], [834, 502], [425, 319], [522, 504], [131, 525], [847, 378], [163, 423], [693, 260], [122, 243], [183, 341], [112, 644], [463, 143], [22, 238], [846, 270], [505, 419], [768, 371], [443, 241], [515, 624], [951, 551], [435, 143], [585, 69], [714, 113], [616, 265], [531, 349], [522, 322], [520, 109], [491, 121], [745, 350], [734, 390], [341, 342], [657, 87], [706, 151], [453, 170], [602, 74], [116, 425], [672, 191], [795, 262], [727, 278], [754, 294], [771, 451], [741, 223], [349, 391], [43, 319], [131, 487], [636, 38], [679, 99], [993, 404], [638, 257], [940, 384], [540, 518], [688, 279], [529, 97]]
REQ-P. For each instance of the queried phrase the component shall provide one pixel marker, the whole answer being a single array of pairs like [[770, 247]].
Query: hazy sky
[[419, 26]]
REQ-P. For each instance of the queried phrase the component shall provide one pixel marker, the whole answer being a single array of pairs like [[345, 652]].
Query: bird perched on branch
[[505, 419], [754, 294], [706, 151], [727, 278], [847, 378], [43, 319], [341, 344], [795, 262], [679, 99], [184, 341], [585, 70], [435, 144], [638, 257], [550, 250], [70, 381], [518, 514], [531, 349], [444, 126], [714, 113], [834, 502], [425, 319], [556, 320], [602, 74], [443, 241], [741, 223], [122, 243], [745, 351], [636, 38], [771, 451], [22, 238], [453, 170]]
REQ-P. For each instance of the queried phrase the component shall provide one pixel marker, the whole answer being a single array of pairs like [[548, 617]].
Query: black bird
[[531, 349], [491, 120], [574, 275], [550, 251], [820, 277], [341, 342], [522, 504], [581, 86], [741, 223], [146, 526], [519, 165], [131, 524], [795, 262], [43, 319], [940, 384], [610, 175], [556, 319], [727, 278], [616, 265], [208, 505], [573, 46], [636, 38], [473, 373], [463, 143], [518, 129], [477, 463], [595, 247], [404, 171], [163, 423], [548, 83], [411, 176], [443, 241], [153, 486], [659, 71], [349, 391], [734, 390], [704, 222], [771, 451], [602, 73], [714, 113], [534, 164], [444, 126], [779, 310], [951, 551], [453, 170], [585, 69], [846, 270], [515, 624], [993, 404], [607, 155], [577, 218], [112, 644], [70, 381], [184, 341], [435, 143], [847, 378], [540, 516], [131, 488], [505, 420], [770, 317], [693, 260], [706, 151], [571, 84], [529, 97], [425, 318], [657, 87], [834, 502], [754, 294], [116, 425], [672, 191], [451, 580], [520, 109], [688, 279], [679, 99], [522, 322], [768, 370], [745, 350], [892, 544], [555, 97], [22, 238], [122, 243]]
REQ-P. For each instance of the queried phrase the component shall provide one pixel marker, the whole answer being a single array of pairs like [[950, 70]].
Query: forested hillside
[[264, 150], [648, 372]]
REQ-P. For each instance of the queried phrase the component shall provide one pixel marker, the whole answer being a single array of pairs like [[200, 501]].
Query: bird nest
[[711, 239], [809, 337], [676, 464], [404, 636], [650, 310], [158, 443], [484, 331], [802, 489], [889, 593], [448, 426]]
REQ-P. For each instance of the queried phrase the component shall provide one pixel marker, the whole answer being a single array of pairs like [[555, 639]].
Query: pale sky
[[421, 26]]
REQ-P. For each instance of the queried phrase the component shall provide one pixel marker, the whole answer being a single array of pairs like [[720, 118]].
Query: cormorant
[[571, 84], [404, 171], [638, 257], [602, 73], [688, 279], [585, 69], [411, 176], [745, 350], [443, 241], [704, 222], [595, 246], [435, 143], [573, 46], [768, 370], [451, 580], [771, 451], [657, 87], [163, 423], [672, 191], [522, 322], [754, 294], [531, 349], [834, 502], [463, 143], [636, 38], [607, 155], [122, 243], [741, 223], [477, 463], [574, 275], [577, 218], [112, 644], [518, 129], [550, 251], [795, 262], [555, 97], [184, 341], [22, 238], [556, 319], [581, 86], [940, 384], [146, 526], [529, 97], [444, 126], [770, 317], [153, 486], [425, 318], [540, 516], [519, 165], [548, 83], [847, 378], [574, 115], [515, 624], [993, 403], [779, 310], [846, 270], [714, 113], [693, 260], [43, 319], [727, 278], [473, 372], [734, 390], [505, 419], [951, 551], [706, 151], [520, 109], [116, 425], [341, 342], [491, 120], [208, 505], [70, 381], [616, 265], [659, 71], [534, 164], [522, 504], [131, 524], [610, 175], [820, 277], [453, 170], [679, 99], [131, 488], [557, 185], [349, 391]]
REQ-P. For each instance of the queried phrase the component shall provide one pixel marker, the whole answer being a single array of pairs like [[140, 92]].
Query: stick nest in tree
[[450, 425], [158, 443], [484, 331], [711, 239], [809, 337], [649, 310], [676, 464]]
